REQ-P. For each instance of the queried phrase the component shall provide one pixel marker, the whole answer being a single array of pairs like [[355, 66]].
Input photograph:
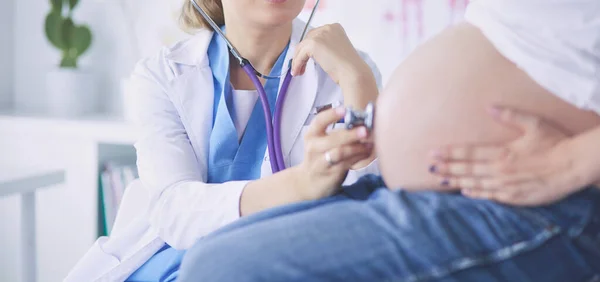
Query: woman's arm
[[586, 150], [361, 86], [358, 77]]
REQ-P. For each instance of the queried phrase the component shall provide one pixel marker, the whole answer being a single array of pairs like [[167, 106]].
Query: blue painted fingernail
[[433, 169], [446, 182]]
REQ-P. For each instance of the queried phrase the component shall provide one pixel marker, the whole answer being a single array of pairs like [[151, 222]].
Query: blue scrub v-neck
[[230, 159]]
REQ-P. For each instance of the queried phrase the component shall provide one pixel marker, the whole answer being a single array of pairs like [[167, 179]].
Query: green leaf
[[67, 30], [82, 39], [78, 39], [53, 28], [73, 3], [57, 5]]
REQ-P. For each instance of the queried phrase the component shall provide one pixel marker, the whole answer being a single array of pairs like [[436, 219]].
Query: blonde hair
[[192, 20]]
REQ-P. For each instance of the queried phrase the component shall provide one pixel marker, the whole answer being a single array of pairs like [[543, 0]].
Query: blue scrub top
[[228, 158]]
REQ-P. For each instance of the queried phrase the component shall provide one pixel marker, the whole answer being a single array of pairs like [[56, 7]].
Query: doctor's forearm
[[269, 192], [359, 87]]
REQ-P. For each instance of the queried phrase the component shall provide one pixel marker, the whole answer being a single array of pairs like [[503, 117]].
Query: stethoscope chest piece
[[366, 118]]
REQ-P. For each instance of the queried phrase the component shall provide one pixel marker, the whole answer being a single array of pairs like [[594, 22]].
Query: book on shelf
[[114, 179]]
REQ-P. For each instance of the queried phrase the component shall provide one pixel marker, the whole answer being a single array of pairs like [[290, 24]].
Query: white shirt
[[243, 104], [556, 42]]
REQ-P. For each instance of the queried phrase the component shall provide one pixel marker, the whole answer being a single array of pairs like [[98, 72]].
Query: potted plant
[[70, 90]]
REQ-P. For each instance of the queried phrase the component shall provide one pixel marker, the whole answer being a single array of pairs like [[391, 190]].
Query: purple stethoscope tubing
[[273, 128], [277, 119]]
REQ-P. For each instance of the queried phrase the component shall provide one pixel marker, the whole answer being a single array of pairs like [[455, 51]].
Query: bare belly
[[438, 96]]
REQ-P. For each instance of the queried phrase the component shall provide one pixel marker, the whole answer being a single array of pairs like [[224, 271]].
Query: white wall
[[6, 53], [389, 29], [108, 58], [375, 26]]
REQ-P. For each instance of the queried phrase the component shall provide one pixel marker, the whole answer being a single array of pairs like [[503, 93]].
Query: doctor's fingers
[[338, 138], [303, 53], [321, 44], [346, 156], [322, 121], [347, 164]]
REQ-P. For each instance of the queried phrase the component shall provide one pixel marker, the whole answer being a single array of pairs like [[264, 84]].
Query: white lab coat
[[174, 107]]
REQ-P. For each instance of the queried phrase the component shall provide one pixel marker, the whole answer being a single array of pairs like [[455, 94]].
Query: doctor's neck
[[261, 46]]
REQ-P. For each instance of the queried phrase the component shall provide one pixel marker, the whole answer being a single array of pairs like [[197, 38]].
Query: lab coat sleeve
[[373, 167], [183, 208]]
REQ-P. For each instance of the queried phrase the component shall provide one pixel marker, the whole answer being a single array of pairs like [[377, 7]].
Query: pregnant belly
[[438, 96]]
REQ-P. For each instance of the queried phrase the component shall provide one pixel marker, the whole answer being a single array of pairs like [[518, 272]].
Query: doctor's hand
[[535, 169], [330, 47], [328, 157]]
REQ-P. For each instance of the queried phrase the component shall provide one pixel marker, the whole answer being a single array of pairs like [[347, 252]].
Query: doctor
[[202, 150]]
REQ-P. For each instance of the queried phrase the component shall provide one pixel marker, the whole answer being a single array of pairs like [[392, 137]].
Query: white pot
[[71, 93]]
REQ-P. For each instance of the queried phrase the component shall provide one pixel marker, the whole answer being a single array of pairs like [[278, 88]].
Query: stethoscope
[[273, 124], [352, 119]]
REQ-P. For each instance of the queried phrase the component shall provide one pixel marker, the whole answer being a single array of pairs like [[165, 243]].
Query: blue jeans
[[373, 234]]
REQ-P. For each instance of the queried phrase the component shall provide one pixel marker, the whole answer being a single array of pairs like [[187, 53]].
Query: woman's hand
[[330, 47], [328, 157], [535, 169]]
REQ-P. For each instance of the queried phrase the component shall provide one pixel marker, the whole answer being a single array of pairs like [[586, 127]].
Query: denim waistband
[[576, 212]]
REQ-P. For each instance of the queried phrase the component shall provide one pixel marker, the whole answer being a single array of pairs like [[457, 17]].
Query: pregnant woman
[[538, 58]]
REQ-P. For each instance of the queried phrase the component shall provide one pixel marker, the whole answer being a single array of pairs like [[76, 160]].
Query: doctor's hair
[[192, 20]]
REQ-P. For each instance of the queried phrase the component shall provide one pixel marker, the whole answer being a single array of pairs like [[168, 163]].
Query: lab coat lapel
[[300, 99], [194, 90], [197, 98]]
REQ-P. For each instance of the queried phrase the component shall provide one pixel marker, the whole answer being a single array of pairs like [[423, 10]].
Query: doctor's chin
[[299, 140]]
